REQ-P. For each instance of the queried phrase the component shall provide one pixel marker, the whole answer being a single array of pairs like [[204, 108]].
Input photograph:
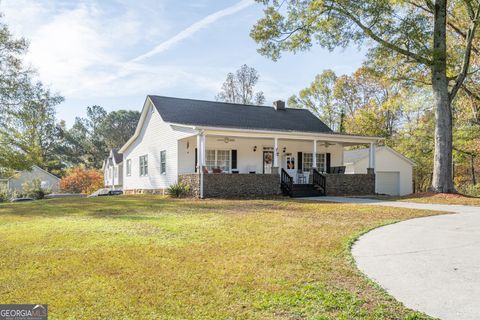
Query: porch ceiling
[[346, 140]]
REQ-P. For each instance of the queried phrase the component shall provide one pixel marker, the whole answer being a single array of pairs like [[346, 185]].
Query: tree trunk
[[472, 163], [442, 166]]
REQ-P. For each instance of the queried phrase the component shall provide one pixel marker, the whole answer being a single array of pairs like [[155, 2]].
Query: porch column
[[314, 155], [275, 152], [371, 158], [201, 158]]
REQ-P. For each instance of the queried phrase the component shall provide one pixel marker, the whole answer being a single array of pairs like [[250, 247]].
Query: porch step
[[305, 190]]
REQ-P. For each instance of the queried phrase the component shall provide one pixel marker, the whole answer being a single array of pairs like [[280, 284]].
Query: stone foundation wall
[[193, 180], [350, 184], [145, 191], [234, 185]]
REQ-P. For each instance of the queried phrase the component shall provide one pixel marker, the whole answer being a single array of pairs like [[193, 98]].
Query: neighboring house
[[113, 170], [260, 150], [393, 171], [47, 180]]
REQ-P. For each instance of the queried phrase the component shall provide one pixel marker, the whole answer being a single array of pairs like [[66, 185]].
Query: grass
[[435, 198], [147, 257]]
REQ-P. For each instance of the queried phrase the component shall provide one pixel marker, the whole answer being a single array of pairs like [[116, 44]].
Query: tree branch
[[369, 32], [466, 57]]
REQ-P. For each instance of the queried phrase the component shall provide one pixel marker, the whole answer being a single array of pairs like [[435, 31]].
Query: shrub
[[178, 190], [33, 189], [80, 180], [470, 190], [5, 194]]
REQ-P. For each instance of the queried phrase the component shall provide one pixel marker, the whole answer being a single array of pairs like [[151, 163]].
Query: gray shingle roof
[[117, 156], [230, 115]]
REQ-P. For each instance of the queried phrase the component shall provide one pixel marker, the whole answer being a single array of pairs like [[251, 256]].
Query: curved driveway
[[430, 264]]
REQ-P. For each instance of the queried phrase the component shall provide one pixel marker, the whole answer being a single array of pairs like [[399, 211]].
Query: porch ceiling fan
[[226, 139]]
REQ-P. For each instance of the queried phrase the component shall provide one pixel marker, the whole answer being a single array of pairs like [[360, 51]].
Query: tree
[[14, 79], [80, 180], [403, 29], [118, 126], [89, 140], [319, 98], [28, 133], [83, 143], [362, 103], [33, 127], [239, 87]]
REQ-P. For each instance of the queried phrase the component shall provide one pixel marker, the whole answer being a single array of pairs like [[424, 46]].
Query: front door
[[267, 161], [290, 166]]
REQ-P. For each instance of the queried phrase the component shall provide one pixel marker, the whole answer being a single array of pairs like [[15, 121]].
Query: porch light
[[284, 149]]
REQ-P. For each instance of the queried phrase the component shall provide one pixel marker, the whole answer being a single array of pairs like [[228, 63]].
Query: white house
[[47, 180], [233, 150], [113, 170], [393, 171]]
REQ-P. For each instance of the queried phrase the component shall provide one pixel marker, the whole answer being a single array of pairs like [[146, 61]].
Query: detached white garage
[[394, 172]]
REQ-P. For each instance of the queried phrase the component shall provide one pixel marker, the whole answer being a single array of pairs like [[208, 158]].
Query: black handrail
[[286, 183], [320, 181]]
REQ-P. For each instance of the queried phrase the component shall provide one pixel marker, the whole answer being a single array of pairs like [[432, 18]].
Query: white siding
[[109, 177], [388, 161], [154, 137]]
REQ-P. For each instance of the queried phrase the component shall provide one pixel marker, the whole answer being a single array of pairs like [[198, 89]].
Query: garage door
[[388, 182]]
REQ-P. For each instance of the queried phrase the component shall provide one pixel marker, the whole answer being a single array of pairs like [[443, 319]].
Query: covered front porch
[[241, 163]]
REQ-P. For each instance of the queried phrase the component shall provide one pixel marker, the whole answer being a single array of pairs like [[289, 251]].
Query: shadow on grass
[[142, 207]]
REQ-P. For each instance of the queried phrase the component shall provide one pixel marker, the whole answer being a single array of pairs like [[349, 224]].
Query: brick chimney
[[279, 105]]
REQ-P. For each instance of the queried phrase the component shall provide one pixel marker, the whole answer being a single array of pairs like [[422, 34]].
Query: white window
[[129, 167], [210, 162], [218, 159], [143, 165], [308, 161], [223, 160], [163, 162]]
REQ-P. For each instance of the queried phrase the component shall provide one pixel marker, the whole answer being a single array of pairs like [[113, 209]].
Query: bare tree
[[239, 87]]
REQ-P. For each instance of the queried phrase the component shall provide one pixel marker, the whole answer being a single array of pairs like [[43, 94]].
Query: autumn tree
[[239, 87], [362, 103], [319, 98], [420, 34], [80, 180]]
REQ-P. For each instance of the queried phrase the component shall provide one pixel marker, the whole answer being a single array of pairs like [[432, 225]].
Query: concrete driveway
[[430, 264]]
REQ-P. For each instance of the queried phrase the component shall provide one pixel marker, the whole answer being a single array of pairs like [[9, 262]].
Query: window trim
[[318, 157], [215, 160], [145, 156], [164, 162]]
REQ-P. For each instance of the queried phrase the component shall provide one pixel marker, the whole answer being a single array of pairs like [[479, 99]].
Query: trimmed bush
[[178, 190]]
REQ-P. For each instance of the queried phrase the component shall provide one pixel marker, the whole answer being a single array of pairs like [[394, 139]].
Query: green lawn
[[146, 257]]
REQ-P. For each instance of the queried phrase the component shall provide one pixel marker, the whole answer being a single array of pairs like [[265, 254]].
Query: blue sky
[[115, 52]]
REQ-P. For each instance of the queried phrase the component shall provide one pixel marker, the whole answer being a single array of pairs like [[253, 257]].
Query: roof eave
[[307, 133]]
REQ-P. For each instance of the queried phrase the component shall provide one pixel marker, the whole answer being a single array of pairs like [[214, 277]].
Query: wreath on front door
[[268, 158]]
